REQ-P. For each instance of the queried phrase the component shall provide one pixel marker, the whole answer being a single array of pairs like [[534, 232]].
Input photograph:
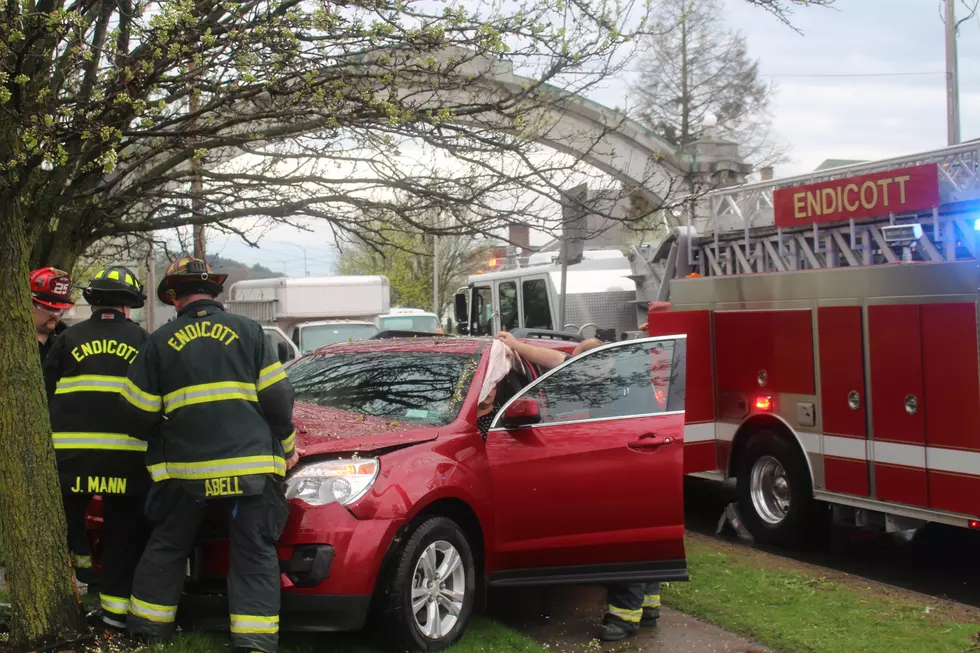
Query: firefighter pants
[[254, 524], [124, 533], [630, 603], [76, 507]]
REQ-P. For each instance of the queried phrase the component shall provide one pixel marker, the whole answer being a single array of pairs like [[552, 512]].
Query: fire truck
[[832, 361]]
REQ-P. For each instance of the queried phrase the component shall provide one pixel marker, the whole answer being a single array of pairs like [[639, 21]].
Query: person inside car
[[496, 390], [543, 357]]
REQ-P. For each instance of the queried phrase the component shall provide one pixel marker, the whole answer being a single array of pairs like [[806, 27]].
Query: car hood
[[326, 430]]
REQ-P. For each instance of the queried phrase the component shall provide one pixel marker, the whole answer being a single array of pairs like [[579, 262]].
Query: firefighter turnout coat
[[209, 395], [84, 373]]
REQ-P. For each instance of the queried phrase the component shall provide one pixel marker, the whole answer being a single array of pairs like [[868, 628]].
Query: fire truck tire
[[774, 490]]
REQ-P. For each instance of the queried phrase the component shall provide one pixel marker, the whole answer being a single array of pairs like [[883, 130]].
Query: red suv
[[401, 508]]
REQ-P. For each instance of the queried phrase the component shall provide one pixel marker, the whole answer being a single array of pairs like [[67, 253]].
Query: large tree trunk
[[32, 522]]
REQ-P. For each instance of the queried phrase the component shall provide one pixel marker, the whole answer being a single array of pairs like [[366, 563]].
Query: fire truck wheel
[[774, 491]]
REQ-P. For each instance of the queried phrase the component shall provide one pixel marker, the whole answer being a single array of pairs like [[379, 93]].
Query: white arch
[[602, 137]]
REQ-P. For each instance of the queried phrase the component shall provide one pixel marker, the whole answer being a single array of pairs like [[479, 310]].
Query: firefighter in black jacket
[[209, 394], [84, 373]]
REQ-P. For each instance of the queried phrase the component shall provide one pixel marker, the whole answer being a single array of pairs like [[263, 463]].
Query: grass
[[482, 636], [798, 613]]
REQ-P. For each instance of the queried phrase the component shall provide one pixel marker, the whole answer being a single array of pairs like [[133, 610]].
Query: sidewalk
[[566, 620]]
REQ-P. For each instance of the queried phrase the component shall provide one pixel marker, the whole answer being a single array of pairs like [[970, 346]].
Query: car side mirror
[[283, 351], [523, 412], [459, 307]]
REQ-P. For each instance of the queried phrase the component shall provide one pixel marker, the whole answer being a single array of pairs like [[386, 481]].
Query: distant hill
[[236, 271], [227, 265]]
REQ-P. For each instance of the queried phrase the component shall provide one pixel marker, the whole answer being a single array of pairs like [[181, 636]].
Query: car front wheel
[[431, 588]]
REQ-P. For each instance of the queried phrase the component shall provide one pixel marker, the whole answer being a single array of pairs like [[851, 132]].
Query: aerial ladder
[[734, 230]]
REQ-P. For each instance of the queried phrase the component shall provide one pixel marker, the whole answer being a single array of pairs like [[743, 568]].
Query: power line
[[784, 76], [937, 72]]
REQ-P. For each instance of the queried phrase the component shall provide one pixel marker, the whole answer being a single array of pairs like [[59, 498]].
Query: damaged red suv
[[401, 509]]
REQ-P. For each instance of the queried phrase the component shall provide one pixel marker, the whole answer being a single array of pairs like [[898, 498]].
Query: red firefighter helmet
[[51, 287], [188, 276]]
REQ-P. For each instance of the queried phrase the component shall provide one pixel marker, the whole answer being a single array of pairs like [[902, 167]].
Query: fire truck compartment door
[[842, 399], [952, 382], [897, 404]]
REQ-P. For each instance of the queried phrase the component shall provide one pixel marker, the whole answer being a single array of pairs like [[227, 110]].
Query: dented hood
[[327, 430]]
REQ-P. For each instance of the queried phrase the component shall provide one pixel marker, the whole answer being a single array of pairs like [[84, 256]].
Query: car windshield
[[313, 337], [423, 323], [416, 387]]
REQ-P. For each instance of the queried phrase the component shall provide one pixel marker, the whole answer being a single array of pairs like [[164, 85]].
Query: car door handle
[[649, 442]]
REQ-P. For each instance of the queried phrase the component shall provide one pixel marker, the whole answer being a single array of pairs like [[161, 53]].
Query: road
[[937, 560]]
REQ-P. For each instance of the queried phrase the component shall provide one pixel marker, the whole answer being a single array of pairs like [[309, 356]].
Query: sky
[[864, 80]]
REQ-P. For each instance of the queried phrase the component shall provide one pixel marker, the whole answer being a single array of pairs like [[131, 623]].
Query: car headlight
[[345, 481]]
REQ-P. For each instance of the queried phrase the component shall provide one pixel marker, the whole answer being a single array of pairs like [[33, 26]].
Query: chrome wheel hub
[[438, 590], [770, 490]]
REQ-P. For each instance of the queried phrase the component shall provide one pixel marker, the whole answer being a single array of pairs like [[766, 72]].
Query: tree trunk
[[32, 521]]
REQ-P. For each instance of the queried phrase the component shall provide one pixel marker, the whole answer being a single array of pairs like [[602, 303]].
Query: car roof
[[448, 345], [336, 323], [407, 312]]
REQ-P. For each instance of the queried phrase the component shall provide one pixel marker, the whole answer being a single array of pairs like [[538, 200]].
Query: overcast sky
[[864, 81]]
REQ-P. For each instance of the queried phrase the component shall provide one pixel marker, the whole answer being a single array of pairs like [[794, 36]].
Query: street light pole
[[952, 77]]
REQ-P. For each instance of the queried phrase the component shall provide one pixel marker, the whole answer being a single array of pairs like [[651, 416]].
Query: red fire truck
[[833, 364], [832, 343]]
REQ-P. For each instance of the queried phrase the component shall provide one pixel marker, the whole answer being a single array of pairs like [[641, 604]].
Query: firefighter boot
[[625, 610], [651, 606], [615, 629]]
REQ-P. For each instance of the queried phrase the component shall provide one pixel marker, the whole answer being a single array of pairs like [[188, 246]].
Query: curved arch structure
[[602, 137]]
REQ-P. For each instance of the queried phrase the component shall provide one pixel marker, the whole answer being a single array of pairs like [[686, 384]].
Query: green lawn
[[482, 636], [798, 613]]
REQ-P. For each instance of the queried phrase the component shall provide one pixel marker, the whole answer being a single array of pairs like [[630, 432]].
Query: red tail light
[[975, 523], [763, 402]]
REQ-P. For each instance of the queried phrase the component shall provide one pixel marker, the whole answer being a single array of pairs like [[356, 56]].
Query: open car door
[[587, 463]]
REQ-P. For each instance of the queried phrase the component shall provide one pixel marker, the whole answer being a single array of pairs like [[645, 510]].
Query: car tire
[[774, 490], [420, 597]]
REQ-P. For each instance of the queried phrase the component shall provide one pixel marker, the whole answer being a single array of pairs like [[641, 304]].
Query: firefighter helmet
[[115, 286], [51, 287], [188, 276]]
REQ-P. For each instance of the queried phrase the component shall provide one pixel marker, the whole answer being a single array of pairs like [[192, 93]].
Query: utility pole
[[952, 77], [151, 289], [435, 274], [197, 188]]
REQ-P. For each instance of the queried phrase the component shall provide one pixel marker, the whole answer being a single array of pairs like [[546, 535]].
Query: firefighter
[[51, 297], [84, 372], [209, 395], [631, 605]]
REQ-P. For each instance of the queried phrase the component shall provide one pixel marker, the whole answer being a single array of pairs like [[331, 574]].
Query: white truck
[[303, 313], [601, 297], [411, 320]]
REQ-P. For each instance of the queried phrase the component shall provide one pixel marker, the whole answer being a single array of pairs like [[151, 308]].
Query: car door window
[[482, 312], [537, 313], [507, 300], [638, 377], [281, 346]]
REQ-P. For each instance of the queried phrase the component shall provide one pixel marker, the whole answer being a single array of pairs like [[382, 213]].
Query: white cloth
[[502, 361]]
